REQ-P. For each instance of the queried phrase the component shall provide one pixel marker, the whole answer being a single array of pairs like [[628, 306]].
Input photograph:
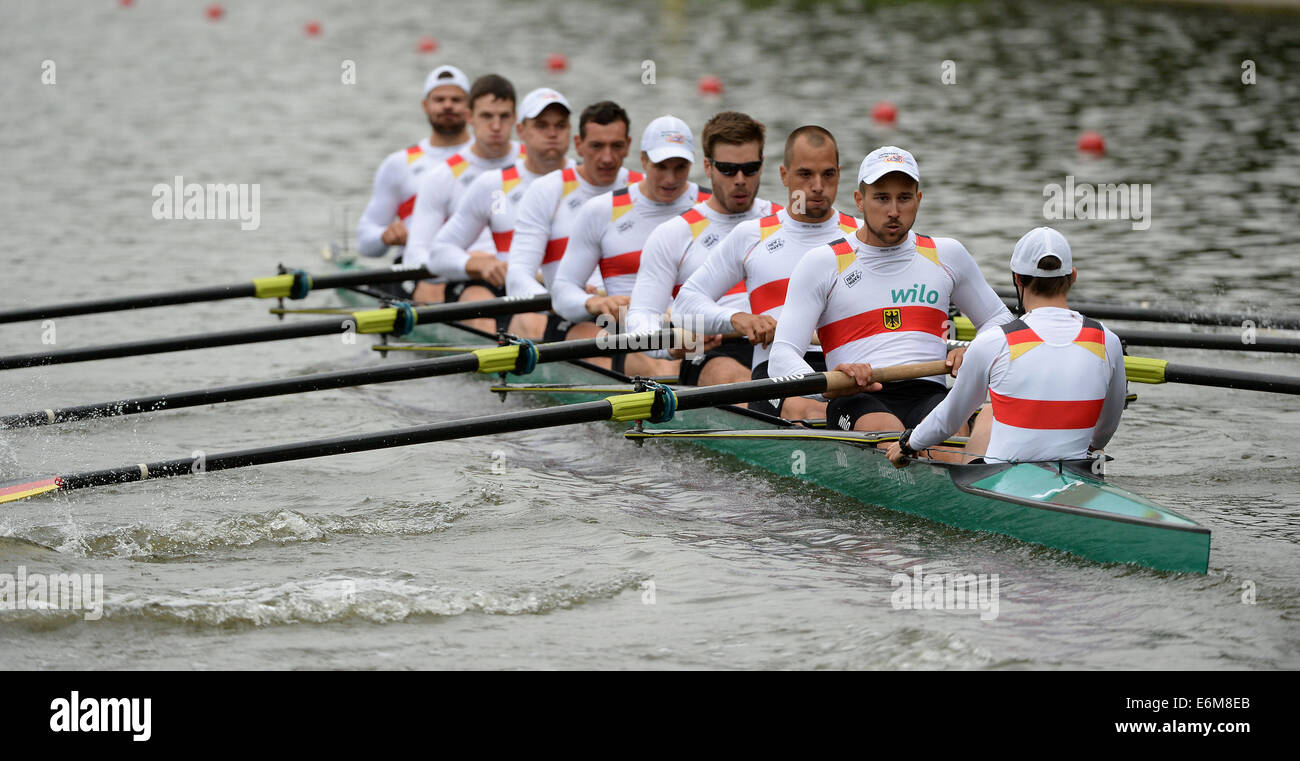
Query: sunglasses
[[729, 169]]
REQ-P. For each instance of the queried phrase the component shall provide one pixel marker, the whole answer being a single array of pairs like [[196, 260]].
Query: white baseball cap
[[886, 159], [1033, 246], [446, 75], [667, 137], [536, 102]]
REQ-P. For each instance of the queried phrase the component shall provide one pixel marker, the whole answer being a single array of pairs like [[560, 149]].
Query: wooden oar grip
[[837, 381]]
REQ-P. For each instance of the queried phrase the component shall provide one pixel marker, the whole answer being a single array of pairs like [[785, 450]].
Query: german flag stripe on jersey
[[635, 177], [877, 321], [844, 254], [503, 240], [1092, 337], [622, 203], [509, 179], [570, 177], [848, 224], [737, 288], [1039, 414], [768, 225], [457, 164], [925, 247], [768, 296], [1020, 338], [623, 264], [703, 195], [413, 154], [696, 220], [555, 250], [405, 208]]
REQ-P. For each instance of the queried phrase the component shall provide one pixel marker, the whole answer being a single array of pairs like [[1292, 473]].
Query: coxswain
[[1055, 377]]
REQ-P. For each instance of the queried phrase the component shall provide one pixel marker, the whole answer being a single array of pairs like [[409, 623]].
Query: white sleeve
[[431, 202], [532, 230], [805, 301], [722, 269], [569, 292], [1116, 393], [382, 208], [967, 394], [971, 293], [655, 277], [451, 246]]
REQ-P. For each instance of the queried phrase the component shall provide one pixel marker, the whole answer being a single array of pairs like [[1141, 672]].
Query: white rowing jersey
[[881, 306], [435, 199], [543, 223], [490, 202], [608, 235], [761, 254], [675, 250], [393, 195], [1057, 383]]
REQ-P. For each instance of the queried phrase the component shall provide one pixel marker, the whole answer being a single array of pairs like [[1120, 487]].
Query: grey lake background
[[431, 557]]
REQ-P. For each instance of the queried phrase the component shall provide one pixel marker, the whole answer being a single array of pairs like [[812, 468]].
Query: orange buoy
[[1092, 142], [710, 85], [312, 29], [557, 62], [215, 12], [427, 44], [885, 112]]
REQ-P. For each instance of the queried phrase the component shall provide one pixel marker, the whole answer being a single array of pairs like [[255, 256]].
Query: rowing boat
[[1063, 505]]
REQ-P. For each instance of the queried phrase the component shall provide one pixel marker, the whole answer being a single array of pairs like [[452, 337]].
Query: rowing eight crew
[[872, 291]]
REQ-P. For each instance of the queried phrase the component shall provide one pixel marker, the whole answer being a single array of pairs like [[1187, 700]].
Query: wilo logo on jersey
[[1086, 201], [917, 294], [946, 591], [182, 200], [689, 338], [60, 591]]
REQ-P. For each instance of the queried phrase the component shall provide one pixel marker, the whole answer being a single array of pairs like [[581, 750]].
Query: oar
[[1113, 311], [518, 358], [1147, 370], [291, 285], [1247, 341], [656, 405], [396, 320]]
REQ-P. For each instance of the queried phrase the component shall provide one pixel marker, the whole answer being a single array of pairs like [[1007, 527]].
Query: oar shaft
[[196, 295], [1204, 376], [1208, 341], [1110, 311], [433, 314]]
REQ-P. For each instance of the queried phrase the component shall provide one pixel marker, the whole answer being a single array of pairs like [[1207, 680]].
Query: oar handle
[[837, 381]]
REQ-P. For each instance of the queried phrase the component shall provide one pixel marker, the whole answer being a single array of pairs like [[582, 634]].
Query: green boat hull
[[1059, 505]]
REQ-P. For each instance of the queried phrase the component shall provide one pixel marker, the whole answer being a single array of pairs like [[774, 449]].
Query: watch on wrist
[[904, 443]]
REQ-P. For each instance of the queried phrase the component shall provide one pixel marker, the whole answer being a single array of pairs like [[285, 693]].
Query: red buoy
[[215, 12], [124, 3], [1092, 142], [557, 62], [427, 44], [710, 85], [885, 112], [312, 29]]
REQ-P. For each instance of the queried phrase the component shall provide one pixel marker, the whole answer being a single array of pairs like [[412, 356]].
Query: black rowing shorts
[[908, 400], [815, 359], [740, 350]]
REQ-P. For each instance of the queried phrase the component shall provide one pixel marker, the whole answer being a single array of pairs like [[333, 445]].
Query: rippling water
[[437, 556]]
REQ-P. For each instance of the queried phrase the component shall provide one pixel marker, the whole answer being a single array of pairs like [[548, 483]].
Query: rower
[[1055, 377], [611, 230], [881, 297], [733, 162], [546, 213], [490, 202], [446, 105], [762, 254], [492, 114]]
